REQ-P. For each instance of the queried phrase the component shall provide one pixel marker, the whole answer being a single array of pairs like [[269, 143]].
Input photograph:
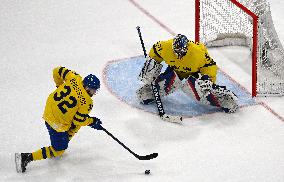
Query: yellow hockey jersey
[[69, 103], [196, 59]]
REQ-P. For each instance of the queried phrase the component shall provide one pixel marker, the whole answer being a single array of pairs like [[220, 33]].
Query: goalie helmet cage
[[244, 23]]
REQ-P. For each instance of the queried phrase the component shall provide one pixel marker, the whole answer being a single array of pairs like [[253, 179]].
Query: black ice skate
[[22, 160]]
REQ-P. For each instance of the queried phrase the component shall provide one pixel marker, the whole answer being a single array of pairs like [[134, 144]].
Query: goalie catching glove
[[150, 71]]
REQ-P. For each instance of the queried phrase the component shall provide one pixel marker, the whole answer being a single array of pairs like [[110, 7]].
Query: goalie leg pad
[[150, 71], [210, 94], [168, 82], [198, 88], [227, 99], [145, 94]]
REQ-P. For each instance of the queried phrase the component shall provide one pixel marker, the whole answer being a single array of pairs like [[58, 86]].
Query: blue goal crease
[[121, 78]]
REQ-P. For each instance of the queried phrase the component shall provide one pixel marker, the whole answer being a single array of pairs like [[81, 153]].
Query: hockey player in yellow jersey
[[189, 68], [67, 110]]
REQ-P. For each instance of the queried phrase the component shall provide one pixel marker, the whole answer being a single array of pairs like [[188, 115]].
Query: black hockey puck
[[147, 171]]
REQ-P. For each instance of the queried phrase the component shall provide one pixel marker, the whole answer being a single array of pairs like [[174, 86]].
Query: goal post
[[244, 23]]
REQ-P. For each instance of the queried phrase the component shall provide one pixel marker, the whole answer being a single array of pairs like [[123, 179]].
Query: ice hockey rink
[[86, 36]]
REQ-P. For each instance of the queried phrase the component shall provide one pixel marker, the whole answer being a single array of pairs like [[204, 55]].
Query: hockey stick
[[155, 90], [140, 157], [141, 41]]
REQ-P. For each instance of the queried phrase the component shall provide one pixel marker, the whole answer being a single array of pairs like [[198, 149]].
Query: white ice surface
[[38, 35]]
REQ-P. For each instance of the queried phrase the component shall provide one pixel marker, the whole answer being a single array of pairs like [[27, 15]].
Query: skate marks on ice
[[121, 79]]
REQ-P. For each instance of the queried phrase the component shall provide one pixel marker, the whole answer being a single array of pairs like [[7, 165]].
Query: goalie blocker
[[150, 70]]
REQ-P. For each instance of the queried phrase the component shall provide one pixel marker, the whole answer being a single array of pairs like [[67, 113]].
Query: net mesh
[[222, 23]]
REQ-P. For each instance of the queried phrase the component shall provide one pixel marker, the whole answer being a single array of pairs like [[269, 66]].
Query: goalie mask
[[180, 45]]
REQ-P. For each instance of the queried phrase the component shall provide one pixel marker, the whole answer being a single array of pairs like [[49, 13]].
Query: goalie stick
[[162, 114], [140, 157]]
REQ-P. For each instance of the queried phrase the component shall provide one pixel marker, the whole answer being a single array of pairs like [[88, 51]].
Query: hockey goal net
[[245, 23]]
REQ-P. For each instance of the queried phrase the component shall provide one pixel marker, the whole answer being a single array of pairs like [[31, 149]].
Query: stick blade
[[148, 157], [172, 119]]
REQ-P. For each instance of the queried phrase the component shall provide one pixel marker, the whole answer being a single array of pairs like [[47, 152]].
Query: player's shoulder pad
[[167, 45], [72, 74], [158, 46], [197, 45], [63, 72]]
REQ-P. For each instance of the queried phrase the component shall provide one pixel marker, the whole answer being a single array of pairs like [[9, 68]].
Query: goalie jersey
[[196, 59], [69, 103]]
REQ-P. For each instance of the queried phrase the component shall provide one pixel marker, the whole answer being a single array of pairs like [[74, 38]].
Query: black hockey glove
[[96, 124]]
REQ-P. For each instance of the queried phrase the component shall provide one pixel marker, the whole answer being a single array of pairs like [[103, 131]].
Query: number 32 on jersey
[[65, 99]]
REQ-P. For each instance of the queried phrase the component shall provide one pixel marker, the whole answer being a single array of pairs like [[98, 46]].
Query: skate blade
[[18, 159]]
